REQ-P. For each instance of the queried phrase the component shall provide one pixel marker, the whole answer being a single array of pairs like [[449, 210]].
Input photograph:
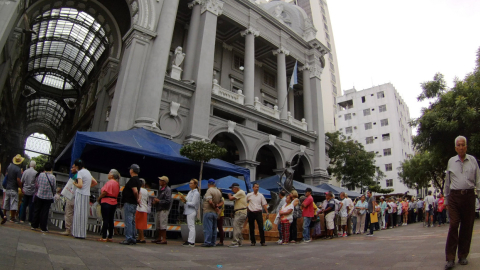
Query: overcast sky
[[404, 42]]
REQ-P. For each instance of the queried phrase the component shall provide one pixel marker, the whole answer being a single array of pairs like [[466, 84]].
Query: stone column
[[10, 12], [307, 96], [191, 40], [320, 157], [251, 165], [150, 97], [199, 117], [249, 72], [282, 81]]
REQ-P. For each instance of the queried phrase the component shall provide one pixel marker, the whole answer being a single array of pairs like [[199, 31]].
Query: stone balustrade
[[294, 122], [273, 112], [235, 97]]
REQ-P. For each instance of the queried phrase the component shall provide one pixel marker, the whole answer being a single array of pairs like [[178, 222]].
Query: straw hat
[[164, 178], [18, 159]]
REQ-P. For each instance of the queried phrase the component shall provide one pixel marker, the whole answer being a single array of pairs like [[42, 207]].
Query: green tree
[[451, 112], [420, 171], [202, 152], [351, 164], [41, 160]]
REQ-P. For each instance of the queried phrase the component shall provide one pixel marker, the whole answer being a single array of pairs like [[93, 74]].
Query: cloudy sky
[[404, 42]]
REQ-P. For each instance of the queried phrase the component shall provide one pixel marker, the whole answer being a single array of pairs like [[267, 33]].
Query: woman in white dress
[[82, 200]]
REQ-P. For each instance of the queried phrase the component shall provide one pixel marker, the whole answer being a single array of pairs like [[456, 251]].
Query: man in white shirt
[[429, 205], [256, 202], [346, 206]]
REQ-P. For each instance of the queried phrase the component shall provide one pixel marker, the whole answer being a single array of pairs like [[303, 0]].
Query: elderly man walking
[[240, 211], [463, 177], [28, 181]]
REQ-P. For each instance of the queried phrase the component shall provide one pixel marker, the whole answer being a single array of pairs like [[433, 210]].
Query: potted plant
[[198, 231]]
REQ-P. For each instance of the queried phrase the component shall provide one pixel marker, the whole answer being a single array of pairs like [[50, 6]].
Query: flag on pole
[[294, 79]]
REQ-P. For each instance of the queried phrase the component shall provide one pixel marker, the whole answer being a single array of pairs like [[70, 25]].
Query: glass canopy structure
[[65, 47]]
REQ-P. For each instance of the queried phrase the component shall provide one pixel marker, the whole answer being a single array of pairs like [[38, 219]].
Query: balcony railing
[[235, 97], [294, 122], [273, 112]]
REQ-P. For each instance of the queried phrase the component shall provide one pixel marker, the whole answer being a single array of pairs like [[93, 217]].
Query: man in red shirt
[[307, 213]]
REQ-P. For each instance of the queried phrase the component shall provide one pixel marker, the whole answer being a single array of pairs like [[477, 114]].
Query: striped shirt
[[45, 186]]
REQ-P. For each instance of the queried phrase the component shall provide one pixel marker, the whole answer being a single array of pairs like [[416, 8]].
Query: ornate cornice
[[250, 30], [306, 67], [281, 50], [213, 6]]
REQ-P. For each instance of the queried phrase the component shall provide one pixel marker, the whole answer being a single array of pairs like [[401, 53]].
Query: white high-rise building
[[317, 11], [378, 119]]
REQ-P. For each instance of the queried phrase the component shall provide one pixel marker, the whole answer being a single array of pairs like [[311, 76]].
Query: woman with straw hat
[[14, 176]]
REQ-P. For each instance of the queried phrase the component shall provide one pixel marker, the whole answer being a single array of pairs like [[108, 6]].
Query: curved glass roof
[[45, 110], [65, 47]]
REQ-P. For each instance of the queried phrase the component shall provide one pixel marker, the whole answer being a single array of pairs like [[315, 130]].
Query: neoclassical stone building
[[187, 70]]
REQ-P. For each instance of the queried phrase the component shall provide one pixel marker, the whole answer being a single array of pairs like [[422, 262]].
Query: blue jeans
[[210, 228], [129, 212], [27, 203], [280, 231], [306, 228]]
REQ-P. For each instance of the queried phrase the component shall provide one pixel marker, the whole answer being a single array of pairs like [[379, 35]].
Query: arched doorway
[[38, 144], [224, 140], [268, 157]]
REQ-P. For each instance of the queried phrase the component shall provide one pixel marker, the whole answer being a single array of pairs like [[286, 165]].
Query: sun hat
[[164, 178], [18, 159]]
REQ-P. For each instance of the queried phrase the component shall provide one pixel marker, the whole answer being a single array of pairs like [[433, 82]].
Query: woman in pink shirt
[[405, 211], [108, 201], [440, 209]]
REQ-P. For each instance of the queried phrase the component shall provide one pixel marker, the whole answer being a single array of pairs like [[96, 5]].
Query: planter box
[[198, 233]]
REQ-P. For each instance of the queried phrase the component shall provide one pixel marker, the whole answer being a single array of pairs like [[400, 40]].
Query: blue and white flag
[[294, 79]]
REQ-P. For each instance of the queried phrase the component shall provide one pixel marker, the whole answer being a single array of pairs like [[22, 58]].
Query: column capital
[[214, 6], [306, 67], [193, 3], [281, 50], [250, 30], [227, 47], [316, 71]]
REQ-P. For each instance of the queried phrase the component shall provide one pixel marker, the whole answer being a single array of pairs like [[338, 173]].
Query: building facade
[[186, 69], [378, 119]]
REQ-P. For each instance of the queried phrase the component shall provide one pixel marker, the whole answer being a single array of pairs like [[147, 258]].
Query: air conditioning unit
[[376, 152]]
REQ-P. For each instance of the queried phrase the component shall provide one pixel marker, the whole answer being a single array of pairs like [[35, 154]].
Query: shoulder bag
[[51, 187]]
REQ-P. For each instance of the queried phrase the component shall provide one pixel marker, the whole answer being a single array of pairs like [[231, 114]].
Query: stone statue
[[178, 57], [278, 11], [288, 172]]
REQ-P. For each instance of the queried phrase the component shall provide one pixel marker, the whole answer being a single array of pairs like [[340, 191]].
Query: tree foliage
[[452, 112], [202, 151], [40, 160], [351, 164]]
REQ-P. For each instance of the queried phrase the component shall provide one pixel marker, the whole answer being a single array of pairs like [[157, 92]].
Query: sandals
[[102, 240]]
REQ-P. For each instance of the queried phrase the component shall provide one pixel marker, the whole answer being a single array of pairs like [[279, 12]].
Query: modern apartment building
[[378, 118]]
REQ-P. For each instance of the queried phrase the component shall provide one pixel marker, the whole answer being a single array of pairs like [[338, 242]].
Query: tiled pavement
[[409, 247]]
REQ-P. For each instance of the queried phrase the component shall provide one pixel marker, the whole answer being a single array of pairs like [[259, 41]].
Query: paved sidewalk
[[408, 247]]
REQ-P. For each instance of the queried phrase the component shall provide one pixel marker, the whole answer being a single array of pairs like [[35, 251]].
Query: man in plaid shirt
[[46, 186]]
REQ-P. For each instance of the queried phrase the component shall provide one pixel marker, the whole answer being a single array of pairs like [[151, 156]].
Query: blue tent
[[156, 156], [270, 183], [224, 184], [338, 190]]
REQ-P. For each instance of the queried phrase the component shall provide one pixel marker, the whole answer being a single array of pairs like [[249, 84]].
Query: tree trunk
[[200, 189]]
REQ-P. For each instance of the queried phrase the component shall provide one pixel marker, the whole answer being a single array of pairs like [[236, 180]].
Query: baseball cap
[[164, 178], [135, 168], [234, 185], [211, 181]]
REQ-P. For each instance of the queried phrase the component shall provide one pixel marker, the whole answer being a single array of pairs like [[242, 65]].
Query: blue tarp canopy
[[338, 190], [270, 183], [156, 156], [224, 184]]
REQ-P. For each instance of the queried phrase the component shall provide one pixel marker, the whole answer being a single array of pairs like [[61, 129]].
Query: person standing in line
[[383, 213], [371, 210], [477, 208], [463, 177], [344, 210], [399, 212], [141, 216], [410, 210], [108, 203], [213, 197], [14, 181], [329, 212], [69, 205], [405, 211], [283, 200], [130, 200], [240, 213], [192, 202], [28, 181], [297, 213], [221, 215], [440, 210], [389, 213], [286, 218], [82, 200], [429, 205], [420, 204], [45, 190], [256, 201], [307, 214], [361, 213], [163, 203]]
